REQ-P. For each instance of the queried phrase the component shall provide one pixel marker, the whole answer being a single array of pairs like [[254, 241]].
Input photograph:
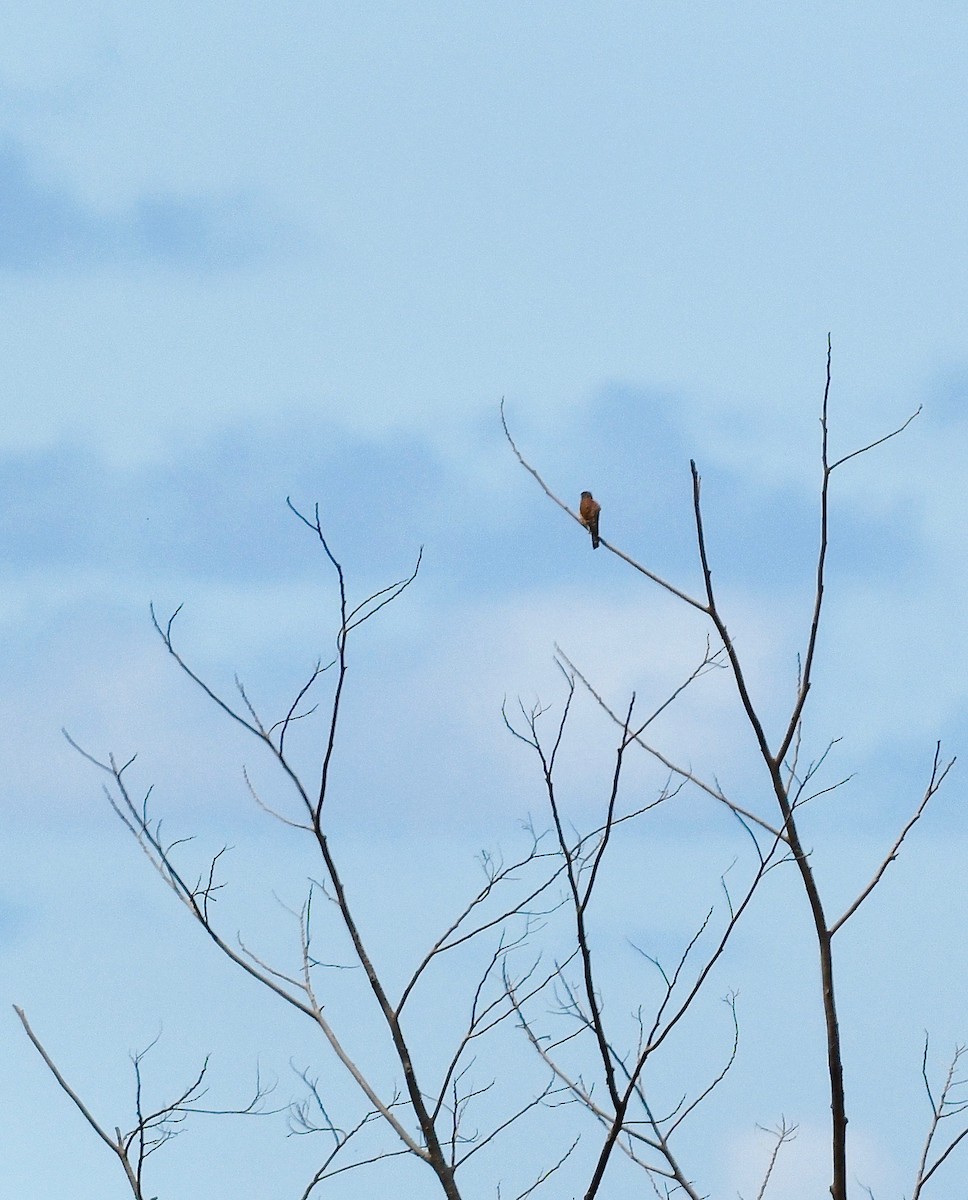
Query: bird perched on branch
[[589, 510]]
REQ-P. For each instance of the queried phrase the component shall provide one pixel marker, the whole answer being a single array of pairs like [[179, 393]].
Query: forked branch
[[152, 1129], [950, 1105]]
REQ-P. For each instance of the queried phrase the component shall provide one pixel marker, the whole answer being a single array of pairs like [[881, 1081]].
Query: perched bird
[[589, 510]]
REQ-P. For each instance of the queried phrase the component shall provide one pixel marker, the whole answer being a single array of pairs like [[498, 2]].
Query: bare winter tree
[[790, 785], [529, 929]]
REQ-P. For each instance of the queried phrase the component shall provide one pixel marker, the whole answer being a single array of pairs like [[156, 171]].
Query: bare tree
[[530, 924], [430, 1116], [789, 784]]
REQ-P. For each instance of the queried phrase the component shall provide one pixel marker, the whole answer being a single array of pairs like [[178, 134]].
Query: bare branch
[[66, 1087], [683, 773], [783, 1133], [575, 517], [938, 773], [546, 1174], [450, 939], [879, 441], [950, 1103], [152, 1129], [828, 469], [730, 1001]]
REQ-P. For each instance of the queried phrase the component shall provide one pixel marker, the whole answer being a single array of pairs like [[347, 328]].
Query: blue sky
[[250, 251]]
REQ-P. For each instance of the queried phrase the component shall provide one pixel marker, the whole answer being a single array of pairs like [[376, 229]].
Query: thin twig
[[938, 774]]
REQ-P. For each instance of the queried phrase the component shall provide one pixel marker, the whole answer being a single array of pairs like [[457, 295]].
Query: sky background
[[251, 251]]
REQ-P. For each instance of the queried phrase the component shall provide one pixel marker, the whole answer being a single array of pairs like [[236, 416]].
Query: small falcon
[[589, 510]]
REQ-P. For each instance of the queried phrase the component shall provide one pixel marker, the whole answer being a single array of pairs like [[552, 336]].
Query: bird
[[589, 510]]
